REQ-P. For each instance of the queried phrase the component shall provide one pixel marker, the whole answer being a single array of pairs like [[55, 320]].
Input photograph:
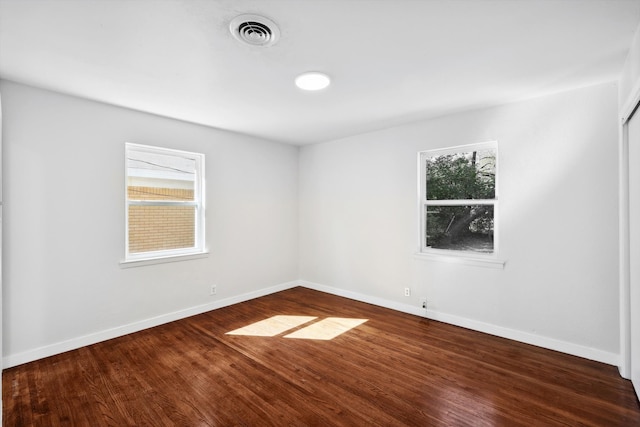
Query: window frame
[[198, 202], [452, 255]]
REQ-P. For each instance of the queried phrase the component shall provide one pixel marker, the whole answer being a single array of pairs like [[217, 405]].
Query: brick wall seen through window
[[155, 228]]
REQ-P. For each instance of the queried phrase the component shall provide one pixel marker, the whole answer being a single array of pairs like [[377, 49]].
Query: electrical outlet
[[407, 292], [423, 302], [213, 290]]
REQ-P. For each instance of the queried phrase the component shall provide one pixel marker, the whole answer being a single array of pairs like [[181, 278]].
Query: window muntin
[[458, 200], [164, 202]]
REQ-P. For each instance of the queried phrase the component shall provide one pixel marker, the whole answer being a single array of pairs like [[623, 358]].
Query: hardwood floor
[[394, 369]]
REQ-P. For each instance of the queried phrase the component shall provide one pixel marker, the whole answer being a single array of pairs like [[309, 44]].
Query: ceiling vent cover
[[254, 30]]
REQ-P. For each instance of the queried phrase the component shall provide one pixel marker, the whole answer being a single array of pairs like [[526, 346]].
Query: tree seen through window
[[459, 200]]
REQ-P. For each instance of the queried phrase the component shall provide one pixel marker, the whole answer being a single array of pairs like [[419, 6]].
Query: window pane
[[461, 228], [146, 163], [161, 191], [156, 228], [155, 176], [461, 176], [165, 202]]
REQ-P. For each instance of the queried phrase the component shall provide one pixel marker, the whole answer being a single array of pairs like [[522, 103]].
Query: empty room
[[320, 212]]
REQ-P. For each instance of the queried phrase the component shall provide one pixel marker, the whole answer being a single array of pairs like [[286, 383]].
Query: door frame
[[624, 266]]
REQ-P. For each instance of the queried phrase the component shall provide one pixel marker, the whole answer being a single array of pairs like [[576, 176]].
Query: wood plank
[[393, 369]]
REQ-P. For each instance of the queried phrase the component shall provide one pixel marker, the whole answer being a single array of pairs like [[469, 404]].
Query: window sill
[[162, 260], [465, 260]]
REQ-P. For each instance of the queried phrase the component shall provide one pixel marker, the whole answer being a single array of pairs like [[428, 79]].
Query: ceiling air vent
[[254, 30]]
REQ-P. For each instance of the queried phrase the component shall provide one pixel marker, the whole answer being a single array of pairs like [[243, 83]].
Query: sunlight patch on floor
[[326, 329], [272, 326]]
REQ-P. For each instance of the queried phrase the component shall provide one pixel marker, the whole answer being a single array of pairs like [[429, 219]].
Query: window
[[164, 203], [458, 200]]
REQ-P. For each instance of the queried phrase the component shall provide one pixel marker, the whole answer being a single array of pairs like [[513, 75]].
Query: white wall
[[355, 200], [64, 222], [558, 222]]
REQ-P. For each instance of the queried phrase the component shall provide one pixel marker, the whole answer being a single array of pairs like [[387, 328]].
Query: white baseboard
[[75, 343], [537, 340], [512, 334]]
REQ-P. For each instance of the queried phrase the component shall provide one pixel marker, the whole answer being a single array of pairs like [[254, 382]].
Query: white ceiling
[[391, 61]]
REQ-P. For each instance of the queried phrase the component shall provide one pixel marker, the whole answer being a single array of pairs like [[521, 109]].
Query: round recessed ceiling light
[[312, 80]]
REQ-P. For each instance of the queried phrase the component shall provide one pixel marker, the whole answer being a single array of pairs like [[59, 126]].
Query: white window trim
[[155, 257], [426, 253], [162, 260]]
